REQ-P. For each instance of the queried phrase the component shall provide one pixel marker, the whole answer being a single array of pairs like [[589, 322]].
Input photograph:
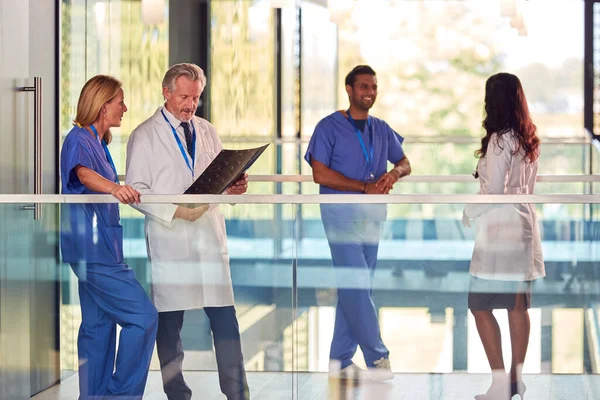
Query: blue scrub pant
[[110, 295], [354, 248], [228, 351]]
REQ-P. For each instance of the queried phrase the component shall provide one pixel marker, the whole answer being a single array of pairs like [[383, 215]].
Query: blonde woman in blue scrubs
[[92, 242]]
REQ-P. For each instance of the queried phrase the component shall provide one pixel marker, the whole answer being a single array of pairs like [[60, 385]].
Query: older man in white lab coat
[[187, 247]]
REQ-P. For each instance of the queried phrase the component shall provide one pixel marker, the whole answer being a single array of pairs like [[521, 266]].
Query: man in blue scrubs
[[348, 153]]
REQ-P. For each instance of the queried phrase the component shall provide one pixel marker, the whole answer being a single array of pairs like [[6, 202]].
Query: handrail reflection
[[423, 178]]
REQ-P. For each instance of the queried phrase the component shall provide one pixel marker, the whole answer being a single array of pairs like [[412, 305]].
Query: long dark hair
[[506, 110]]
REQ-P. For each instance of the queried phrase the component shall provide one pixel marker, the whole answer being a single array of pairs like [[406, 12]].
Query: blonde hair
[[96, 92], [190, 71]]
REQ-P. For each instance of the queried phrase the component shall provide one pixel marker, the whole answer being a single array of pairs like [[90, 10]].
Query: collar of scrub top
[[108, 156], [181, 149], [368, 156]]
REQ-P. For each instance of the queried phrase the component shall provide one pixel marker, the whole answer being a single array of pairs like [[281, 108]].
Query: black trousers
[[228, 350]]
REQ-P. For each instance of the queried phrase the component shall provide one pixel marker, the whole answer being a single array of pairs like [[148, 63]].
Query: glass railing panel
[[258, 240], [29, 356], [286, 292], [421, 285]]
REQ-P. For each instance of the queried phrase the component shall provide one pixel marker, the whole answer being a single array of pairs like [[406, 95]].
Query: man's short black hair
[[359, 70]]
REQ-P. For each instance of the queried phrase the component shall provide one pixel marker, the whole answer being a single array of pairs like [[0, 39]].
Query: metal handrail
[[314, 199]]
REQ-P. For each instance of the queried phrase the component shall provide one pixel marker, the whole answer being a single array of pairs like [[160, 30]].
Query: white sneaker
[[382, 370], [351, 372]]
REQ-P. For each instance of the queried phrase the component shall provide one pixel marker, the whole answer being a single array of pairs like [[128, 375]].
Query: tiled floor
[[317, 386]]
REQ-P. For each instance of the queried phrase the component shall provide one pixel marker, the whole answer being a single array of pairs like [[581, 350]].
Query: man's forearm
[[334, 180]]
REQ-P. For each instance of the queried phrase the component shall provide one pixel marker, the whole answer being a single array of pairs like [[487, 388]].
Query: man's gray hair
[[191, 71]]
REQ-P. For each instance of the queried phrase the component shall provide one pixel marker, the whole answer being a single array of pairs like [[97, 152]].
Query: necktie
[[188, 137]]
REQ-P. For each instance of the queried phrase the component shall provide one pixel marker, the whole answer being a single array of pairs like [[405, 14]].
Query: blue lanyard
[[368, 157], [108, 157], [183, 152]]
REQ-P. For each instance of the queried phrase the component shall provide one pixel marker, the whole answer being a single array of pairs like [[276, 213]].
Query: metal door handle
[[37, 141]]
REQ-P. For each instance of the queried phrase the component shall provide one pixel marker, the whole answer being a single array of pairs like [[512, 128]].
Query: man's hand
[[374, 188], [387, 180], [240, 186], [126, 194], [190, 214]]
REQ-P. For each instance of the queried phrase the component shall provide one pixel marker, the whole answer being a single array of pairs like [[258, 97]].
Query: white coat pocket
[[168, 243], [221, 231]]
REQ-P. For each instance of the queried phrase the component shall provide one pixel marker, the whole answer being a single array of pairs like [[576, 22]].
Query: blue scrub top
[[90, 233], [335, 144]]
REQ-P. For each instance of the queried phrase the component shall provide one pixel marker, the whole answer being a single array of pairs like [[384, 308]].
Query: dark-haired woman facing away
[[508, 254]]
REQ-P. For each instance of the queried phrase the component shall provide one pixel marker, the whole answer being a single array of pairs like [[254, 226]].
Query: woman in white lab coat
[[187, 247], [508, 254]]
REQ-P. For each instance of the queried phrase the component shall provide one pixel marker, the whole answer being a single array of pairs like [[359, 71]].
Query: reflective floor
[[317, 386]]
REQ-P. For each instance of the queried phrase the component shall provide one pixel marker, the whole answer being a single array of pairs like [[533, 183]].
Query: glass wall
[[286, 290], [319, 58], [432, 59], [242, 69], [119, 38]]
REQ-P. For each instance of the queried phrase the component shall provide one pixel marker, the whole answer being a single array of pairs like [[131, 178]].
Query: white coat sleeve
[[217, 140], [498, 158], [139, 177]]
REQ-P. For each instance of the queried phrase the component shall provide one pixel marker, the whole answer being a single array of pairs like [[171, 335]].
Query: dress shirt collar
[[173, 120]]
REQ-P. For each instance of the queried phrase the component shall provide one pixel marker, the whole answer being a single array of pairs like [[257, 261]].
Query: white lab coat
[[507, 239], [190, 262]]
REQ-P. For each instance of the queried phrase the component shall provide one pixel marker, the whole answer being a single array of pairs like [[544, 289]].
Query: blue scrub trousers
[[354, 246], [110, 295]]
